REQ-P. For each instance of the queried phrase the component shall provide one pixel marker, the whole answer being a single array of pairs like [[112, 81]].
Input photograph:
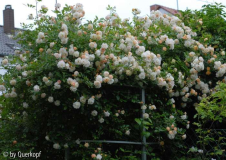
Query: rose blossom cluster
[[124, 57]]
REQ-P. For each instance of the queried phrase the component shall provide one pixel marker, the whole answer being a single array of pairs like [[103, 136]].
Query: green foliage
[[211, 113], [213, 108], [209, 24]]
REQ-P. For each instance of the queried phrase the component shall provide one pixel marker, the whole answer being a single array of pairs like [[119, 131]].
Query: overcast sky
[[98, 7]]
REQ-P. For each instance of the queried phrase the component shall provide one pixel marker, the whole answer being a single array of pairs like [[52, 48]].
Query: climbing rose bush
[[74, 81]]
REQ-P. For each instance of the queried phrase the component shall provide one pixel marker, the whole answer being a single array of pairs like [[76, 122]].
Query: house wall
[[164, 11], [2, 71]]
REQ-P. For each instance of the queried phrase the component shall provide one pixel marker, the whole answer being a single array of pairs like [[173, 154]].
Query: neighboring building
[[7, 45], [164, 10]]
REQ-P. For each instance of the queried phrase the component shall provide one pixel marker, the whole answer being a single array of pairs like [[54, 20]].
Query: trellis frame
[[143, 143]]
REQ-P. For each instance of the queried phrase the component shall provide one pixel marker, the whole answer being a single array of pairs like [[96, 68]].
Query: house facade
[[7, 44], [164, 10]]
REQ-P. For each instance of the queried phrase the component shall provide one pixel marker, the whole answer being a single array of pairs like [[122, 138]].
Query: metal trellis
[[143, 143]]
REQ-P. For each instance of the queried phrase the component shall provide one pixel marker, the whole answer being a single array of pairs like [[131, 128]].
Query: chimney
[[8, 16]]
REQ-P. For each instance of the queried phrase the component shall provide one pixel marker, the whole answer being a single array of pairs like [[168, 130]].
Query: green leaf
[[146, 134], [219, 152], [138, 121]]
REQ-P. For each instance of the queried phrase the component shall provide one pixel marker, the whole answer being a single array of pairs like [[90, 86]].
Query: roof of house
[[170, 10], [7, 45]]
